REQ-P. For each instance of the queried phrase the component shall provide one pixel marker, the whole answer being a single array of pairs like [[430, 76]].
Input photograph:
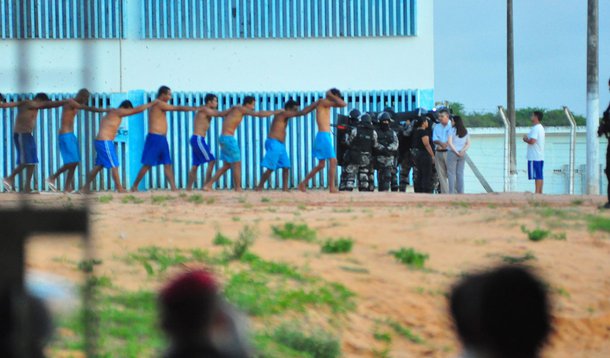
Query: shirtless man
[[68, 144], [323, 147], [200, 149], [156, 148], [104, 143], [276, 155], [4, 104], [229, 150], [27, 158]]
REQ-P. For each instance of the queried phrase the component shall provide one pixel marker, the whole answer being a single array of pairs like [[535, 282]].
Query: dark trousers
[[423, 181]]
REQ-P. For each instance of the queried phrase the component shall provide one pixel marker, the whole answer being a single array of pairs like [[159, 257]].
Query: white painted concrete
[[226, 65]]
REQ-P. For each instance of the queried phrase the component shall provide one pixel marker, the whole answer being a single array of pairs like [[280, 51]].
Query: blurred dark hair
[[41, 96], [444, 111], [419, 122], [209, 98], [460, 128], [336, 92], [539, 115], [291, 103], [505, 312], [163, 90], [248, 99], [2, 98], [126, 104]]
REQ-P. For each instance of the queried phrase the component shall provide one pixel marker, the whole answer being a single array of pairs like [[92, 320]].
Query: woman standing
[[459, 142], [424, 157]]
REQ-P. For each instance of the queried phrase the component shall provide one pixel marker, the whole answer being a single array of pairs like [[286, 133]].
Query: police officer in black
[[361, 140], [344, 163], [604, 129], [386, 150], [397, 128]]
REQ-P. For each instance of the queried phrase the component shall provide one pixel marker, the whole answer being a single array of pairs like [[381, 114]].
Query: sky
[[550, 53]]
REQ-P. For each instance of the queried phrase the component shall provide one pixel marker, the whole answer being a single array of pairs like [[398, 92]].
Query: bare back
[[233, 120], [157, 119], [109, 126], [26, 118], [323, 115], [201, 123], [278, 126], [68, 114]]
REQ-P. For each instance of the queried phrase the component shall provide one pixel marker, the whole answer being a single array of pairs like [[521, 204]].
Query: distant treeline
[[552, 118]]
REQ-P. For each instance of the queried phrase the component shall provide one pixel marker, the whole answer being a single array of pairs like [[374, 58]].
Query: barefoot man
[[276, 155], [323, 147], [156, 148], [229, 150], [27, 158], [68, 144], [201, 152], [104, 143]]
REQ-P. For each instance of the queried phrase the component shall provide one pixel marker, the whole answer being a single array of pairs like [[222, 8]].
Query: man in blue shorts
[[68, 144], [276, 156], [535, 151], [106, 156], [323, 147], [201, 153], [229, 149], [156, 148], [23, 135]]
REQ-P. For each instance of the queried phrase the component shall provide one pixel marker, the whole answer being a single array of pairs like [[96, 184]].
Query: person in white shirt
[[440, 136], [459, 142], [535, 151]]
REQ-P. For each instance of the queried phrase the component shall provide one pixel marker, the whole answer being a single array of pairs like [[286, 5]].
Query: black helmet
[[365, 118], [354, 114], [384, 116], [390, 111]]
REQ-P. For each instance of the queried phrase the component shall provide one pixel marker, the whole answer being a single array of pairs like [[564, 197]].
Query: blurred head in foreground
[[197, 320], [36, 318], [502, 313]]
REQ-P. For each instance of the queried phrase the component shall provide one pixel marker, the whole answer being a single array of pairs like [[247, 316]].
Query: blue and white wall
[[220, 45], [379, 52]]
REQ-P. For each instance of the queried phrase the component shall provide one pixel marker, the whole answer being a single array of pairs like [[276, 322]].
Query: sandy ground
[[459, 233]]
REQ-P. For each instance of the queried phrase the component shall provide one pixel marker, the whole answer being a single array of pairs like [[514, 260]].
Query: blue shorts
[[276, 155], [201, 151], [535, 169], [68, 148], [156, 150], [106, 154], [323, 146], [229, 150], [26, 148]]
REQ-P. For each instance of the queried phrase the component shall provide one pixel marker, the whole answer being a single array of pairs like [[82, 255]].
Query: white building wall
[[224, 65]]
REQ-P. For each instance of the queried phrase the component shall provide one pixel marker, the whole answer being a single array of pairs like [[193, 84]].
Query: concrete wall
[[223, 65]]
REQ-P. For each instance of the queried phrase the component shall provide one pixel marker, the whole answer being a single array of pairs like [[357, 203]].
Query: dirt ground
[[460, 234]]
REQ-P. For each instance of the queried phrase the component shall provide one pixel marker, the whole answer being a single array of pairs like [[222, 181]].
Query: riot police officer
[[386, 150], [361, 140], [604, 129], [405, 159], [353, 119]]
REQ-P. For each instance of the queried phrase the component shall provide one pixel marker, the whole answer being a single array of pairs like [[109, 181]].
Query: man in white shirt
[[440, 137], [535, 151]]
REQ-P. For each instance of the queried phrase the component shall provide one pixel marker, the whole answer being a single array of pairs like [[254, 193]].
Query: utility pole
[[593, 98], [512, 118]]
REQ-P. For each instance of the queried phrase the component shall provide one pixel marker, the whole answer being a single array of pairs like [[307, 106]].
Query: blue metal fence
[[61, 19], [251, 136], [248, 19]]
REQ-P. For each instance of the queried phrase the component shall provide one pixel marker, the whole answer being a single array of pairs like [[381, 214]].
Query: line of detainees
[[500, 313]]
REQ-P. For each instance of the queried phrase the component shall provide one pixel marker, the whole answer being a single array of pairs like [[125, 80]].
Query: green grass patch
[[292, 231], [536, 234], [160, 199], [274, 268], [411, 257], [460, 204], [265, 200], [599, 223], [238, 249], [157, 260], [405, 332], [131, 199], [513, 260], [355, 269], [319, 344], [577, 202], [105, 199], [337, 246], [195, 199], [221, 240], [88, 265], [382, 336]]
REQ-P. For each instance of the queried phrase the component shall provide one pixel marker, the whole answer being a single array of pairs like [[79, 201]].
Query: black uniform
[[606, 123], [361, 140], [386, 149], [423, 163], [405, 159]]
